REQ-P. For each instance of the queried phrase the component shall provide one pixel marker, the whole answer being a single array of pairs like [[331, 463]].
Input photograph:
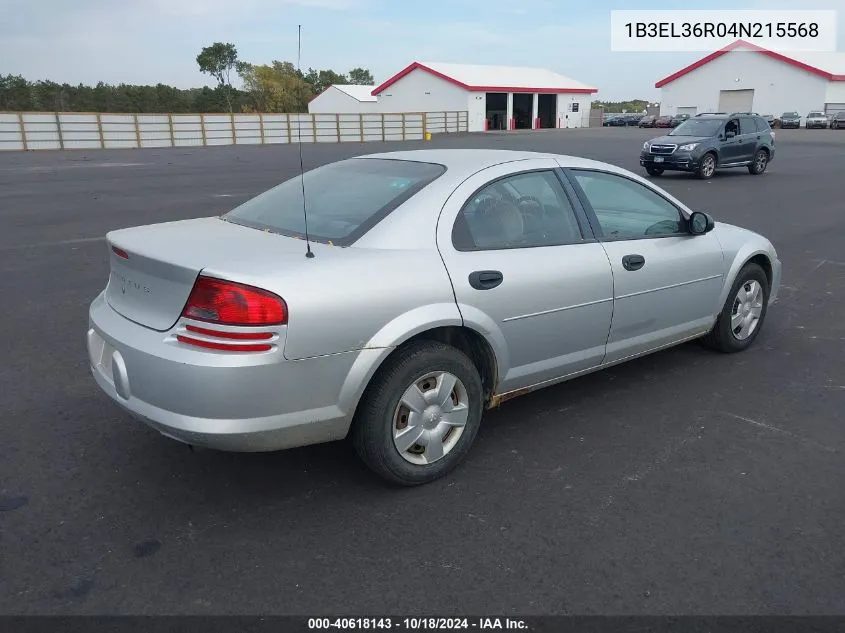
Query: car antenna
[[308, 252]]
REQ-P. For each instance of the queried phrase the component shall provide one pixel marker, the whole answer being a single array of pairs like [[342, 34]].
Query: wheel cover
[[746, 310], [760, 163], [430, 418], [709, 166]]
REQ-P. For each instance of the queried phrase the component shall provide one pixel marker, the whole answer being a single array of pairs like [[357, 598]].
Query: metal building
[[743, 77], [344, 99], [495, 97]]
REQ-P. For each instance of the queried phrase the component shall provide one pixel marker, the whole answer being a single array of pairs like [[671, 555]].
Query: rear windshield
[[697, 127], [790, 114], [344, 199]]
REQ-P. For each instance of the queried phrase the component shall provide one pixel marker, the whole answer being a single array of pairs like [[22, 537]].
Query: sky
[[157, 41]]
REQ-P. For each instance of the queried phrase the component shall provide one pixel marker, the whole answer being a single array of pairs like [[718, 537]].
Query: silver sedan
[[433, 285]]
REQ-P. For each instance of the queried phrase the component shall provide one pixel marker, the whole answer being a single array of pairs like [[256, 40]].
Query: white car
[[816, 119], [441, 283]]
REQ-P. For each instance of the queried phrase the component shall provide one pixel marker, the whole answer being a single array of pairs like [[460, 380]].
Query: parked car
[[663, 121], [790, 119], [678, 119], [647, 121], [704, 144], [441, 283], [633, 119], [815, 119], [838, 121], [614, 121]]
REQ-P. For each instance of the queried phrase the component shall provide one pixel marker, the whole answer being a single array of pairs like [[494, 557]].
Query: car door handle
[[633, 262], [485, 279]]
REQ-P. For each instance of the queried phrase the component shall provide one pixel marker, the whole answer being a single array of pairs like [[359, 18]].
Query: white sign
[[710, 30]]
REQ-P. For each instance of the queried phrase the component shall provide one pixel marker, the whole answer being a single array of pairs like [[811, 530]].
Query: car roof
[[472, 160]]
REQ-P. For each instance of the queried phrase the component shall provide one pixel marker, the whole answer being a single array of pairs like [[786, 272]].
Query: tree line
[[635, 105], [275, 87]]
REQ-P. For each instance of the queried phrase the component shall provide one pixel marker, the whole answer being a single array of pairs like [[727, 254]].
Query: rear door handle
[[633, 262], [485, 279]]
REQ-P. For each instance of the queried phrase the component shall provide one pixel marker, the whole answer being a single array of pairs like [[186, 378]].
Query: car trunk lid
[[153, 268]]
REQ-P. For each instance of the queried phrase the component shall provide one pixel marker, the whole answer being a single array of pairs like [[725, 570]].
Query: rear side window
[[747, 125], [525, 210], [344, 199], [762, 124]]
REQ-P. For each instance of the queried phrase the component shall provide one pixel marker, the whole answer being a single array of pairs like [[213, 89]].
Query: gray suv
[[707, 142]]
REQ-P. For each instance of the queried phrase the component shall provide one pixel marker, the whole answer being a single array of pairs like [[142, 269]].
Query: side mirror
[[701, 223]]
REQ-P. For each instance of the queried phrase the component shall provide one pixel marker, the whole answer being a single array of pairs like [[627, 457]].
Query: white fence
[[65, 130]]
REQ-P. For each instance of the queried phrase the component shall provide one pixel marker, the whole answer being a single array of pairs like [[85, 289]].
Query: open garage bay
[[684, 482]]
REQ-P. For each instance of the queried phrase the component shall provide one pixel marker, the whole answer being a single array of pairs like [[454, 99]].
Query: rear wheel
[[760, 162], [654, 171], [742, 316], [707, 166], [420, 415]]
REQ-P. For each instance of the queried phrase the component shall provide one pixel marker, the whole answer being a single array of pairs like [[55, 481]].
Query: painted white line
[[780, 431], [82, 165], [82, 240]]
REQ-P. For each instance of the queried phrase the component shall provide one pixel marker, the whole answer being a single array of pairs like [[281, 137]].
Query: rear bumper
[[811, 125], [227, 401]]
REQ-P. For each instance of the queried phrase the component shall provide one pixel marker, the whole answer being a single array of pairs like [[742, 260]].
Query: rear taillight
[[228, 303]]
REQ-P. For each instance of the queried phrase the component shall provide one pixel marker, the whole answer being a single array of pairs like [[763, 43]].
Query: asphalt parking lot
[[686, 482]]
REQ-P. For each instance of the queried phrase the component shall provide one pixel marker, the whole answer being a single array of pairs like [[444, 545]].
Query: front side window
[[520, 211], [343, 199], [626, 209], [732, 127]]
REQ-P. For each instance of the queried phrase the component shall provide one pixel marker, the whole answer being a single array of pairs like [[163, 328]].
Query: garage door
[[832, 108], [736, 100]]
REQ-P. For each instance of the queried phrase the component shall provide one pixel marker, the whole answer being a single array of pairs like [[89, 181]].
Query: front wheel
[[654, 171], [760, 162], [742, 316], [707, 166], [420, 415]]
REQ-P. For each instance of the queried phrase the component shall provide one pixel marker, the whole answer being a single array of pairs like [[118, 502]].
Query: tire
[[722, 337], [654, 171], [707, 166], [380, 414], [759, 162]]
